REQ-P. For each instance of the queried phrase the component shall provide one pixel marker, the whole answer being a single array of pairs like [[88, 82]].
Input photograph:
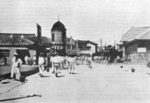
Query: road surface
[[102, 84]]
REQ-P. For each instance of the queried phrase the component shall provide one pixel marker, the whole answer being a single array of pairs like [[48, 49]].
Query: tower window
[[52, 36]]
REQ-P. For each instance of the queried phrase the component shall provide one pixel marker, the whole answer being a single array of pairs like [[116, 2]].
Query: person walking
[[71, 61], [56, 64], [41, 66], [48, 63], [89, 61], [16, 64]]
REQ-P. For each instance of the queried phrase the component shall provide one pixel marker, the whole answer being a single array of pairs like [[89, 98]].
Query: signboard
[[38, 31], [141, 50]]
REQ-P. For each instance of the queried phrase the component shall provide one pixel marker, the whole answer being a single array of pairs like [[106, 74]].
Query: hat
[[15, 54]]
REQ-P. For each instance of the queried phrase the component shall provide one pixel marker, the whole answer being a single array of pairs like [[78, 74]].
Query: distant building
[[70, 46], [136, 44], [58, 36], [86, 46]]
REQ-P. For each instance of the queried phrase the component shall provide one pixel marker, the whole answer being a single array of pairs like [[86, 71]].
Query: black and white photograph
[[75, 51]]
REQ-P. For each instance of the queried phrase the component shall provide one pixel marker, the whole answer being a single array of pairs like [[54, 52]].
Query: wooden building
[[136, 44], [86, 46]]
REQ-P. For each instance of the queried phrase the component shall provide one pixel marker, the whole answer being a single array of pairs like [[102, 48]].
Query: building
[[70, 46], [86, 46], [58, 36], [23, 44], [12, 42], [136, 44]]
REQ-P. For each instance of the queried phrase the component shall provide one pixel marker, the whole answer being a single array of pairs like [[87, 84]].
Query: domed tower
[[58, 35]]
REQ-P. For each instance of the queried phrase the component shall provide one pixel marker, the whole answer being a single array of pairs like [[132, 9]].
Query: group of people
[[51, 63], [56, 62]]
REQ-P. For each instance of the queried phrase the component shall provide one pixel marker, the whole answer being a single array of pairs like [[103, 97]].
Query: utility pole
[[101, 43], [114, 43], [101, 46]]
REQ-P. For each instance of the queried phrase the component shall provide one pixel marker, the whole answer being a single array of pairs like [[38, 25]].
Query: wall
[[92, 49], [57, 36], [139, 57]]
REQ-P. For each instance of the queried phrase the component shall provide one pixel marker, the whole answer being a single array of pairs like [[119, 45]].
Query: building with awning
[[23, 44], [136, 44]]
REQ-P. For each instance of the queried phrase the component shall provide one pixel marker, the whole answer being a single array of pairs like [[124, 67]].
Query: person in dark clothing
[[110, 61]]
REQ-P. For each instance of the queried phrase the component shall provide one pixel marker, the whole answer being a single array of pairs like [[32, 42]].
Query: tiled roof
[[135, 33], [44, 40], [15, 40], [7, 35]]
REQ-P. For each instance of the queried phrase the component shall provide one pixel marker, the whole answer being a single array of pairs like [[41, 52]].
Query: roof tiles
[[135, 33]]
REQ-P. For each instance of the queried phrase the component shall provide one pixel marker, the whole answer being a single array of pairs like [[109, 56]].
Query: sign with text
[[141, 50]]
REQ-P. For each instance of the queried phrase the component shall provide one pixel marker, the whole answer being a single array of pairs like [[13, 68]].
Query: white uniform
[[15, 68], [89, 60], [26, 60], [41, 67], [71, 61], [34, 60], [56, 63]]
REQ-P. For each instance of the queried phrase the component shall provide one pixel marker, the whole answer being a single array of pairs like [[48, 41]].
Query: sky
[[84, 19]]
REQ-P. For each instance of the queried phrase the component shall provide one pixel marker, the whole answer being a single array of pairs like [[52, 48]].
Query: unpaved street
[[102, 84]]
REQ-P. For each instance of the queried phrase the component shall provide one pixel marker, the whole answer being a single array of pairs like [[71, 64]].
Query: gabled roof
[[134, 33], [82, 44], [145, 36], [91, 42]]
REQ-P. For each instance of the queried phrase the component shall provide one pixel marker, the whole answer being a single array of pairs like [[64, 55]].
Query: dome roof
[[58, 26]]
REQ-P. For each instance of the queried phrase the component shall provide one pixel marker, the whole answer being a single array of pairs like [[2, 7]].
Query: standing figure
[[16, 64], [71, 62], [26, 59], [89, 61], [56, 64], [34, 60], [110, 61], [48, 63], [41, 66]]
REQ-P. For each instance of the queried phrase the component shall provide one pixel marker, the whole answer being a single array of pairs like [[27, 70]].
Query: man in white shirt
[[71, 61], [56, 64], [26, 58], [16, 64], [34, 60], [41, 66], [89, 61]]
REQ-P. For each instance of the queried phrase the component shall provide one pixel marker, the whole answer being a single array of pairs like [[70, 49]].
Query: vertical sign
[[38, 31]]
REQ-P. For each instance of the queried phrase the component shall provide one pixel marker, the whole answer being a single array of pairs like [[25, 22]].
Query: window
[[52, 36]]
